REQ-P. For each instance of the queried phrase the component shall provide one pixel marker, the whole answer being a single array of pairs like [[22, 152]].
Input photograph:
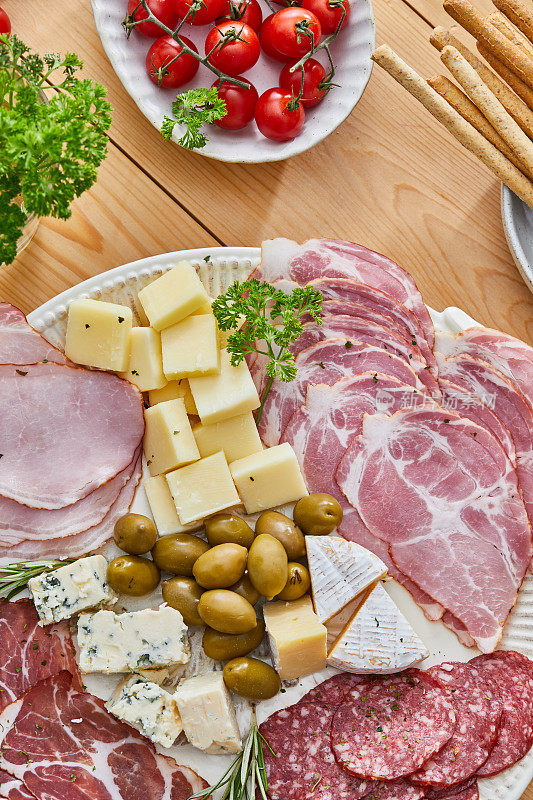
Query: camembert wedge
[[340, 571], [377, 639]]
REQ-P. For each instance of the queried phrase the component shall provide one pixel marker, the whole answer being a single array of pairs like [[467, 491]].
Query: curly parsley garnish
[[192, 109]]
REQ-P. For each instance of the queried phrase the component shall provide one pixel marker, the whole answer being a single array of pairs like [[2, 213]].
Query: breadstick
[[519, 13], [453, 121], [504, 26], [519, 111], [471, 20], [522, 90], [490, 107]]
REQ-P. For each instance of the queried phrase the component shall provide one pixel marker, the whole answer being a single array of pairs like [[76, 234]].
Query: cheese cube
[[71, 589], [236, 436], [163, 509], [143, 319], [208, 714], [202, 488], [269, 478], [145, 368], [232, 392], [171, 391], [190, 348], [223, 336], [297, 638], [168, 440], [173, 296], [98, 334], [205, 308], [110, 642], [147, 708]]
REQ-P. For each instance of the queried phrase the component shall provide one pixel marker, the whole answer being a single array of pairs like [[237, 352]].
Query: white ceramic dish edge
[[518, 228]]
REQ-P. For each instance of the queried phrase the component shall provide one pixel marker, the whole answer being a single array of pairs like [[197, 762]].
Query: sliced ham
[[20, 343], [65, 432], [452, 513]]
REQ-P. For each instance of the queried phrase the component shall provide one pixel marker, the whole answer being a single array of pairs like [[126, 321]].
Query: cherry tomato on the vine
[[240, 104], [235, 47], [314, 74], [276, 117], [248, 11], [207, 13], [164, 70], [290, 33], [5, 22], [165, 12], [329, 12]]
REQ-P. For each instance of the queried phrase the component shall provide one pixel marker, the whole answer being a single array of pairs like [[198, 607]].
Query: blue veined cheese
[[148, 708], [208, 715], [72, 589], [110, 642]]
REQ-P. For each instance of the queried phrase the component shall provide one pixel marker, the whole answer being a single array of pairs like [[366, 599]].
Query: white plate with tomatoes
[[350, 53]]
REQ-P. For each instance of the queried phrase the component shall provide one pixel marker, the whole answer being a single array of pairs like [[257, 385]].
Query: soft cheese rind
[[148, 708], [208, 714]]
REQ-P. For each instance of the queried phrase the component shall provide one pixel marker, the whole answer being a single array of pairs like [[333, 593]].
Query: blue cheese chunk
[[71, 589], [110, 642], [148, 708], [208, 714]]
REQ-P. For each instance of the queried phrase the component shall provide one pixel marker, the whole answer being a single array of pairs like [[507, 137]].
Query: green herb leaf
[[14, 577], [192, 109]]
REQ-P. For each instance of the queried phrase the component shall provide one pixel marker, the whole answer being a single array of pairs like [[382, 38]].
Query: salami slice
[[388, 728], [478, 709], [396, 790], [468, 790]]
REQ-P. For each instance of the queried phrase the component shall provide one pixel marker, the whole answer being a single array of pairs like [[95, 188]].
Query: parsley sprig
[[49, 152], [192, 109], [273, 321]]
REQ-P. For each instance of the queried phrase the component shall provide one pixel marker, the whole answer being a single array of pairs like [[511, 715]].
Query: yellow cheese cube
[[205, 308], [269, 478], [168, 440], [297, 638], [202, 488], [173, 296], [232, 392], [171, 391], [143, 319], [223, 336], [98, 334], [236, 436], [145, 368], [163, 509], [190, 348]]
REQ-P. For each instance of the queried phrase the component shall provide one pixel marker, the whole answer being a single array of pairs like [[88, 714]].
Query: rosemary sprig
[[14, 577]]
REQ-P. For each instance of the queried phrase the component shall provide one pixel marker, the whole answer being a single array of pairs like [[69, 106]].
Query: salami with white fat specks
[[387, 728], [468, 790], [396, 790], [478, 709]]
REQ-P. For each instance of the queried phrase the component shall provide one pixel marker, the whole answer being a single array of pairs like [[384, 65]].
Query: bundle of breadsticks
[[490, 108]]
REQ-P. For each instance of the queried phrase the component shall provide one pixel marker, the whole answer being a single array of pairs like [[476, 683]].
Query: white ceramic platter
[[351, 54], [517, 220], [218, 267]]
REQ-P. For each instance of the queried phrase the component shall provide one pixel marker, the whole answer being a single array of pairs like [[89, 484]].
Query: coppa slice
[[65, 432], [13, 789], [388, 728], [20, 343], [56, 737]]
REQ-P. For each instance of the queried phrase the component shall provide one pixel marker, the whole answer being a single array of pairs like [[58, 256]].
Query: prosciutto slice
[[64, 745], [452, 513], [65, 432], [20, 343]]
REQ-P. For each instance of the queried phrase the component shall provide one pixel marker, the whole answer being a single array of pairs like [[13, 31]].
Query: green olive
[[251, 678], [318, 514], [132, 575], [221, 566], [298, 582], [246, 589], [135, 534], [183, 594], [224, 528], [226, 611], [284, 530], [177, 552], [268, 565], [223, 646]]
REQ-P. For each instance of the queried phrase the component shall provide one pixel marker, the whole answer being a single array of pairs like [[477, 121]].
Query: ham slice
[[452, 513], [20, 343], [65, 432]]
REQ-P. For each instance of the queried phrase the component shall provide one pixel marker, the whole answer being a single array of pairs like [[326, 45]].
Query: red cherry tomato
[[275, 119], [314, 74], [165, 12], [5, 22], [280, 37], [329, 12], [240, 104], [248, 11], [207, 13], [163, 69], [235, 47]]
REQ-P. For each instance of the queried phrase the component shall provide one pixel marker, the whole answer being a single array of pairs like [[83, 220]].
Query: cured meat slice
[[396, 790], [388, 728], [65, 432], [463, 791], [64, 744], [29, 653], [513, 673], [478, 709], [326, 362], [458, 628], [452, 514], [13, 789], [20, 343]]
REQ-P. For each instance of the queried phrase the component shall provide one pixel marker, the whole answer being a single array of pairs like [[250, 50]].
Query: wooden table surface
[[390, 178]]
